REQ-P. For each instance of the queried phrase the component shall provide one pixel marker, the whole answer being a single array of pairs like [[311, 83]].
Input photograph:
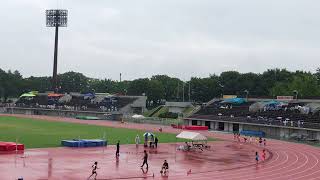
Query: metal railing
[[152, 120]]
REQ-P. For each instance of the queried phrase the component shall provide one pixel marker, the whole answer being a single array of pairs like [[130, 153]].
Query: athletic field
[[35, 133], [225, 160]]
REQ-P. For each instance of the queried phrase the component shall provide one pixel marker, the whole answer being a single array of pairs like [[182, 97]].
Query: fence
[[153, 120]]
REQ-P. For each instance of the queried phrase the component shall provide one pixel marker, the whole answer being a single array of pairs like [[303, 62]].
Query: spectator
[[137, 140], [156, 142]]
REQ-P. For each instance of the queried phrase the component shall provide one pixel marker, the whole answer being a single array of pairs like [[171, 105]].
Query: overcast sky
[[180, 38]]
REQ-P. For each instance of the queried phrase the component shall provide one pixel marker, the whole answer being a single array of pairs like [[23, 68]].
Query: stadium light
[[56, 18]]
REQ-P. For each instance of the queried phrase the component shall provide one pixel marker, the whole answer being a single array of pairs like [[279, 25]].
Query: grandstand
[[103, 102], [276, 118]]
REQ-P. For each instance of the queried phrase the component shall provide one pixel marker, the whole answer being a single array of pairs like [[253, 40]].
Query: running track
[[285, 160]]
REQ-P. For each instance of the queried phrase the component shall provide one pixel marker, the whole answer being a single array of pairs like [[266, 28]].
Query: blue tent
[[272, 103], [234, 101]]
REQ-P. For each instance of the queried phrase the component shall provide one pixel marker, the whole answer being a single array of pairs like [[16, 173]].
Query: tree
[[41, 84], [138, 87], [317, 74], [73, 82], [229, 81], [306, 85], [204, 89], [10, 84], [170, 86]]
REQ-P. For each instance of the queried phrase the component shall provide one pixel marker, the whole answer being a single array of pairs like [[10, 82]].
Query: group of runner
[[164, 167], [262, 142], [258, 140]]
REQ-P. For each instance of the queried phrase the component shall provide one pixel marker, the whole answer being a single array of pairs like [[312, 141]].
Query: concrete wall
[[178, 107], [48, 112], [175, 109], [140, 102]]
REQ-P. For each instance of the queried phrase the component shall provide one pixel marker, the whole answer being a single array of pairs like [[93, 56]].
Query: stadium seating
[[76, 102], [283, 116]]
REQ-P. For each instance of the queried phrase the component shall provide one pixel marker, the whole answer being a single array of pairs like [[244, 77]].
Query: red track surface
[[226, 160]]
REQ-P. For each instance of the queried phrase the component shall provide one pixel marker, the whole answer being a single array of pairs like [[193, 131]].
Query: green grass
[[39, 133]]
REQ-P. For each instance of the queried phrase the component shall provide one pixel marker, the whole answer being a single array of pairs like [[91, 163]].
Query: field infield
[[36, 133]]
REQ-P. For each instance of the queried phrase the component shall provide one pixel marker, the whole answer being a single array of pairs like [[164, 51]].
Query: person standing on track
[[118, 149], [156, 140], [94, 170], [137, 140], [145, 159]]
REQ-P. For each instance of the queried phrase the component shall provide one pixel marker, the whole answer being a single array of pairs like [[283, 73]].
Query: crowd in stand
[[275, 113], [74, 103]]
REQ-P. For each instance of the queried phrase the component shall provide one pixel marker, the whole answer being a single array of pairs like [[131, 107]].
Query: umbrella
[[255, 107], [27, 95], [148, 134], [233, 101]]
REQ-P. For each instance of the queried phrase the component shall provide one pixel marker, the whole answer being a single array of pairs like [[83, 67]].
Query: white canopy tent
[[194, 136], [137, 116]]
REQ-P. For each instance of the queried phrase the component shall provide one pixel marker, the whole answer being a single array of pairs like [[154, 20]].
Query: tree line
[[159, 88]]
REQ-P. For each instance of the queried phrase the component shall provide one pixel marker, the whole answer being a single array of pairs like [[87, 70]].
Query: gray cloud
[[180, 38]]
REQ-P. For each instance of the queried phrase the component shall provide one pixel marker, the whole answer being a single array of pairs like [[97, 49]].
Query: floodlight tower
[[56, 18]]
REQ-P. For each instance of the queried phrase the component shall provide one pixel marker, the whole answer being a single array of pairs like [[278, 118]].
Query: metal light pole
[[56, 18], [247, 94], [189, 91], [182, 91]]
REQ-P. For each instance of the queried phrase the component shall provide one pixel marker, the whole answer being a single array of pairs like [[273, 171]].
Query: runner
[[94, 170], [250, 139], [264, 154], [145, 159], [165, 167], [264, 142], [245, 139], [118, 149], [260, 141], [257, 158]]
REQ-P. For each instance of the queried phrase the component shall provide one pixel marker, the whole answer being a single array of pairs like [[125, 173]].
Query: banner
[[229, 96], [285, 97]]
